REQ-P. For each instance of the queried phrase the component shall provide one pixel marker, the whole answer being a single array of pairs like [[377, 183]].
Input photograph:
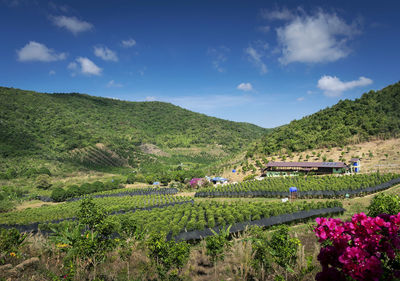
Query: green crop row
[[201, 215], [310, 183], [68, 209]]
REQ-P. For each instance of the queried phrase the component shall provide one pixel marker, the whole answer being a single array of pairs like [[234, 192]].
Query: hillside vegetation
[[108, 132], [374, 115]]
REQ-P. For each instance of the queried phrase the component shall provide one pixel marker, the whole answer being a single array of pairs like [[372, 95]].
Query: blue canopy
[[293, 189], [156, 183], [233, 171]]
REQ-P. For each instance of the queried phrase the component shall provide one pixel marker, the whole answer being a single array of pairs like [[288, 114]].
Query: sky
[[261, 62]]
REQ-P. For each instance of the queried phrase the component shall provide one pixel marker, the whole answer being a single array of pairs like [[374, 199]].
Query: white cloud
[[128, 43], [245, 87], [150, 98], [84, 66], [219, 57], [52, 72], [300, 99], [105, 53], [282, 14], [72, 24], [113, 84], [312, 39], [255, 55], [34, 51], [72, 65], [264, 29], [334, 87]]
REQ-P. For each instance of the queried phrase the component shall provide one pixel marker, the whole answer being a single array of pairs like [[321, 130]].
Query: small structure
[[292, 168], [221, 180], [355, 164], [293, 192], [156, 183]]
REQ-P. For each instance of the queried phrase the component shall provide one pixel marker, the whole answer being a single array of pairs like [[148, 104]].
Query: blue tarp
[[293, 189]]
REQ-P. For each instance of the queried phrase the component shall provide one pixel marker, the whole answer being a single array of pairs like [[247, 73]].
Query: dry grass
[[34, 204], [385, 157]]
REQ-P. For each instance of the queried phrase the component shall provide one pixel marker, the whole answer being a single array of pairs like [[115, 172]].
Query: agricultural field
[[193, 232], [309, 187], [177, 219], [68, 209]]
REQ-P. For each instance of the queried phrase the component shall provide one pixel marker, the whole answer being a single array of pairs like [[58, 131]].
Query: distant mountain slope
[[52, 126], [375, 114]]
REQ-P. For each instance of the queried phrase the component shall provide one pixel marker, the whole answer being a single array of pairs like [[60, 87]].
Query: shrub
[[167, 255], [6, 205], [97, 186], [43, 182], [384, 204], [58, 194], [95, 242], [44, 171], [249, 177], [283, 248], [10, 242], [365, 248], [216, 244], [131, 179]]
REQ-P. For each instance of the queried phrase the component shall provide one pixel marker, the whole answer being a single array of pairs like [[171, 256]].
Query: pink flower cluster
[[364, 248]]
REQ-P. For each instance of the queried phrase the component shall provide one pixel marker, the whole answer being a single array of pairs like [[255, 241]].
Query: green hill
[[374, 115], [107, 132]]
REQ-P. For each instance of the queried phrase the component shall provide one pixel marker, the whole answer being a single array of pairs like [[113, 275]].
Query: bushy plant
[[365, 248], [90, 239], [131, 179], [10, 242], [249, 177], [384, 204], [167, 255], [58, 194], [217, 243], [43, 182], [283, 248]]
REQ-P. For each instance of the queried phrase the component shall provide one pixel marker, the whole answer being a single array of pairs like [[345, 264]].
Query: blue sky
[[261, 62]]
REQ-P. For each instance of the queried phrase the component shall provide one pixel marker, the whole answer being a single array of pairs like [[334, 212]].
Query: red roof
[[307, 164]]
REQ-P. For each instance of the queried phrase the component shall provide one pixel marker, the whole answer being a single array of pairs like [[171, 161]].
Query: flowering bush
[[365, 248]]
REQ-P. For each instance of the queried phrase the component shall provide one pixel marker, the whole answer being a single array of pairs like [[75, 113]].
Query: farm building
[[293, 168]]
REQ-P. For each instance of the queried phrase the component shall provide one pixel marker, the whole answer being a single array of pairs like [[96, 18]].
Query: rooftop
[[307, 164]]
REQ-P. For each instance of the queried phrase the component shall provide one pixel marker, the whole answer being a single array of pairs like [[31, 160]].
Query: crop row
[[309, 187], [68, 209], [130, 192], [178, 219]]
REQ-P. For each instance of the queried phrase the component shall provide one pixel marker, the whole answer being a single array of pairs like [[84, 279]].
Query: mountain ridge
[[374, 114], [49, 126]]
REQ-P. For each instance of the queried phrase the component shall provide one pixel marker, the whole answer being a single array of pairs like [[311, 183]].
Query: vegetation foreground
[[140, 245]]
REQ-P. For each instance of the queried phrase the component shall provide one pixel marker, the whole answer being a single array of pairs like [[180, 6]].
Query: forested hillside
[[375, 114], [56, 126]]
